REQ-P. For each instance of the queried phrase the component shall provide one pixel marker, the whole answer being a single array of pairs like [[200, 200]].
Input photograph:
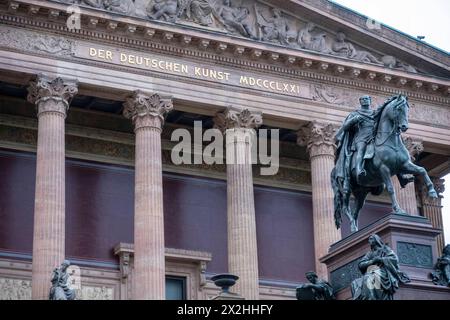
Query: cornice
[[384, 32], [245, 54]]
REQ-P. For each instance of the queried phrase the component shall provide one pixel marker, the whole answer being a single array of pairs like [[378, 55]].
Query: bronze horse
[[389, 157]]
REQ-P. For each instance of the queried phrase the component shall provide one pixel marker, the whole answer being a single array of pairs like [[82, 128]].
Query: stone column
[[432, 209], [407, 196], [52, 98], [319, 140], [242, 248], [147, 112]]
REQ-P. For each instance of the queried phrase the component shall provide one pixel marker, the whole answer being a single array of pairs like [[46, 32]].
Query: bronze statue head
[[311, 276], [375, 241], [365, 101]]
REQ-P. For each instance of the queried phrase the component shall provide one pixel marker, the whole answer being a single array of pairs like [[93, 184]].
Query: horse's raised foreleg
[[410, 167], [386, 176]]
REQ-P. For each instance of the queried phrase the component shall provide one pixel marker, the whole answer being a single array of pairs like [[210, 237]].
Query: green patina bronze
[[369, 152]]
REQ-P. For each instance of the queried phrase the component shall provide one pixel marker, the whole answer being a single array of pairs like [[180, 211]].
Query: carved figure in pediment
[[200, 11], [391, 62], [345, 49], [236, 19], [275, 28], [120, 6], [163, 9], [307, 41], [94, 3]]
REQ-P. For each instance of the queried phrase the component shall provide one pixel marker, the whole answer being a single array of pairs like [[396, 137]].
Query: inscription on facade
[[167, 65]]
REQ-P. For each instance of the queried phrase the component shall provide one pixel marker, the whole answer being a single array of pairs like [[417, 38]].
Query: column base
[[412, 238]]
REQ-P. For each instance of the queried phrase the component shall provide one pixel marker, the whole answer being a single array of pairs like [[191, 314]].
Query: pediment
[[284, 23]]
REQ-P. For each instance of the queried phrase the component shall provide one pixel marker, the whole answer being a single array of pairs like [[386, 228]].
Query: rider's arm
[[350, 122]]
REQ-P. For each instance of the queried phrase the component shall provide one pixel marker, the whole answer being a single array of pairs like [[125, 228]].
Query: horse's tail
[[338, 199]]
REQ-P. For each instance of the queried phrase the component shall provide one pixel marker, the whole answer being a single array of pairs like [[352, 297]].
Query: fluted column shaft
[[432, 209], [319, 141], [148, 114], [242, 239], [52, 100], [406, 197]]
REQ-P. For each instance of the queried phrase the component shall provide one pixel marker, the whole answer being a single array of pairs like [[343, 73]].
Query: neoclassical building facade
[[91, 92]]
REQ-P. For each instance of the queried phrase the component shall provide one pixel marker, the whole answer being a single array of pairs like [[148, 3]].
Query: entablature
[[182, 40]]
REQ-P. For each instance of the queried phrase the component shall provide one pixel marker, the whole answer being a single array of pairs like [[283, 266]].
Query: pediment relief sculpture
[[250, 19]]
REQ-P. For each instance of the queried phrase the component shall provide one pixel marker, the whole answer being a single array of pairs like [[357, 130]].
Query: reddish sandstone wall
[[99, 213]]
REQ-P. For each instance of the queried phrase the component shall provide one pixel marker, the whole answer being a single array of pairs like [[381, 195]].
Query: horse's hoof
[[399, 211], [432, 194]]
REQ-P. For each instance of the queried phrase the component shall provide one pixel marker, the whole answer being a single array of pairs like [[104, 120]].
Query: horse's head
[[398, 111]]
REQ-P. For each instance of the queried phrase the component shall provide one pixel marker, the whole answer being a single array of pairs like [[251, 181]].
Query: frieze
[[40, 43], [413, 254], [20, 289], [289, 73], [95, 293], [123, 153], [433, 114], [15, 289]]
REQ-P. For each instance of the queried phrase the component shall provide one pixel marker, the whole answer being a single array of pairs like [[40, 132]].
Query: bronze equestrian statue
[[369, 152]]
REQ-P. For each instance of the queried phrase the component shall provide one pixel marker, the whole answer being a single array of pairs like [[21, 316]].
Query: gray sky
[[416, 18]]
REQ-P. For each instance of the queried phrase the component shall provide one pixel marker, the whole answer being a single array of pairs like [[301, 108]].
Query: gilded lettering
[[259, 83], [266, 84], [197, 71], [92, 52], [123, 57], [243, 80], [272, 85]]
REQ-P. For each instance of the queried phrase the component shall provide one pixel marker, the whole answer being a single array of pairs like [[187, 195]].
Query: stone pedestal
[[412, 238], [147, 113], [51, 97], [242, 248], [319, 140]]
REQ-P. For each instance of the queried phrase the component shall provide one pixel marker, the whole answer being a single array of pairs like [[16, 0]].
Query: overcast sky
[[417, 18]]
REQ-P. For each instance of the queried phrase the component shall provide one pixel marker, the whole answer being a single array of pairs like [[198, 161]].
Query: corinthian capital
[[439, 185], [233, 119], [147, 110], [51, 94], [318, 138], [414, 146]]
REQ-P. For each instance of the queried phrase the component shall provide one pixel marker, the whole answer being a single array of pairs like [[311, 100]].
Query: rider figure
[[362, 123]]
